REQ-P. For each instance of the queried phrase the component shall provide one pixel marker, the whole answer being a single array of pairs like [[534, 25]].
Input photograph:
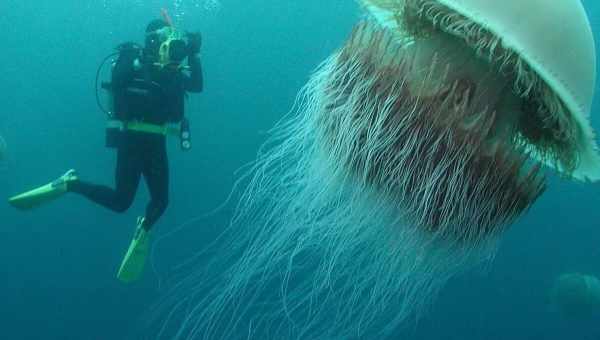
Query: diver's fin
[[49, 192], [133, 264]]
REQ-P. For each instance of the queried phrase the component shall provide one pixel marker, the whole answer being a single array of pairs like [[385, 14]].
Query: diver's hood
[[555, 38]]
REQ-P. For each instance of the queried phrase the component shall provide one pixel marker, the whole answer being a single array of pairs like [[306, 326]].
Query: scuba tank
[[116, 126]]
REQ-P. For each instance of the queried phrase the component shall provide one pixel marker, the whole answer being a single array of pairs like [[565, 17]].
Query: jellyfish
[[576, 295], [406, 157]]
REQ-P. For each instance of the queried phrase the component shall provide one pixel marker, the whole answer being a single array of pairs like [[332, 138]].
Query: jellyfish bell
[[576, 295], [511, 36], [412, 148]]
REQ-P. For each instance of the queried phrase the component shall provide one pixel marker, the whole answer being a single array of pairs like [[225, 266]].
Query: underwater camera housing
[[173, 48], [177, 51]]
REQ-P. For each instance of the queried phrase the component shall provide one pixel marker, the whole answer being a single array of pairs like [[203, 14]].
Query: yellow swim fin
[[133, 264], [49, 192]]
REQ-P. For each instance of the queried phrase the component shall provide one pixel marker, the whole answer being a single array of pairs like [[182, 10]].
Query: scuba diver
[[148, 88]]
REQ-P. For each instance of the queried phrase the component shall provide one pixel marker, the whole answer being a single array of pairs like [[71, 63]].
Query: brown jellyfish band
[[447, 159]]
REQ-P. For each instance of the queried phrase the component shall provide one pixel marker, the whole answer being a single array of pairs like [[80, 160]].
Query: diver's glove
[[194, 43]]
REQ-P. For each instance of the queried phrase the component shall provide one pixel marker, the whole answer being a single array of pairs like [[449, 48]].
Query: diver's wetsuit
[[150, 95]]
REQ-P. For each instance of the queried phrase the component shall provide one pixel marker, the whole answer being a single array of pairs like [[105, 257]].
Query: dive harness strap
[[137, 126]]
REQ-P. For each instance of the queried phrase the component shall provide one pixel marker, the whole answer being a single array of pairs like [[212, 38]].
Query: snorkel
[[166, 17]]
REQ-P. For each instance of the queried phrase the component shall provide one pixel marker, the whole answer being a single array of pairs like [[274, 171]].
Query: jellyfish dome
[[534, 32], [576, 295], [411, 150]]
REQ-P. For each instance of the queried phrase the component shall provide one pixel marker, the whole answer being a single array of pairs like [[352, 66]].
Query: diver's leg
[[127, 177], [36, 197], [156, 173]]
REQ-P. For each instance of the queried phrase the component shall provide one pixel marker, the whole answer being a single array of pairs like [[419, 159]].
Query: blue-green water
[[58, 264]]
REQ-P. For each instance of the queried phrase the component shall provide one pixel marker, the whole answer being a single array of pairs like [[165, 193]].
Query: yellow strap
[[148, 128], [136, 126]]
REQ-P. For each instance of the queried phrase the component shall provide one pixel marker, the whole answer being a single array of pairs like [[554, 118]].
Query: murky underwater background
[[58, 264]]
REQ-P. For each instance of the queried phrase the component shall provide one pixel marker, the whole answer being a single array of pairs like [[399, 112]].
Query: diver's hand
[[194, 43]]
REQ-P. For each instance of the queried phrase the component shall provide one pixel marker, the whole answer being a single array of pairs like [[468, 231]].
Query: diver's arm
[[194, 82]]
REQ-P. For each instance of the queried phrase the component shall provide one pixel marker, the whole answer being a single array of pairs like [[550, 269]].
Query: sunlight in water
[[181, 8], [207, 7]]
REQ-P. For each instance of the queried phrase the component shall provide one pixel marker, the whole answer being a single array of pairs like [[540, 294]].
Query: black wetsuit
[[151, 95]]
